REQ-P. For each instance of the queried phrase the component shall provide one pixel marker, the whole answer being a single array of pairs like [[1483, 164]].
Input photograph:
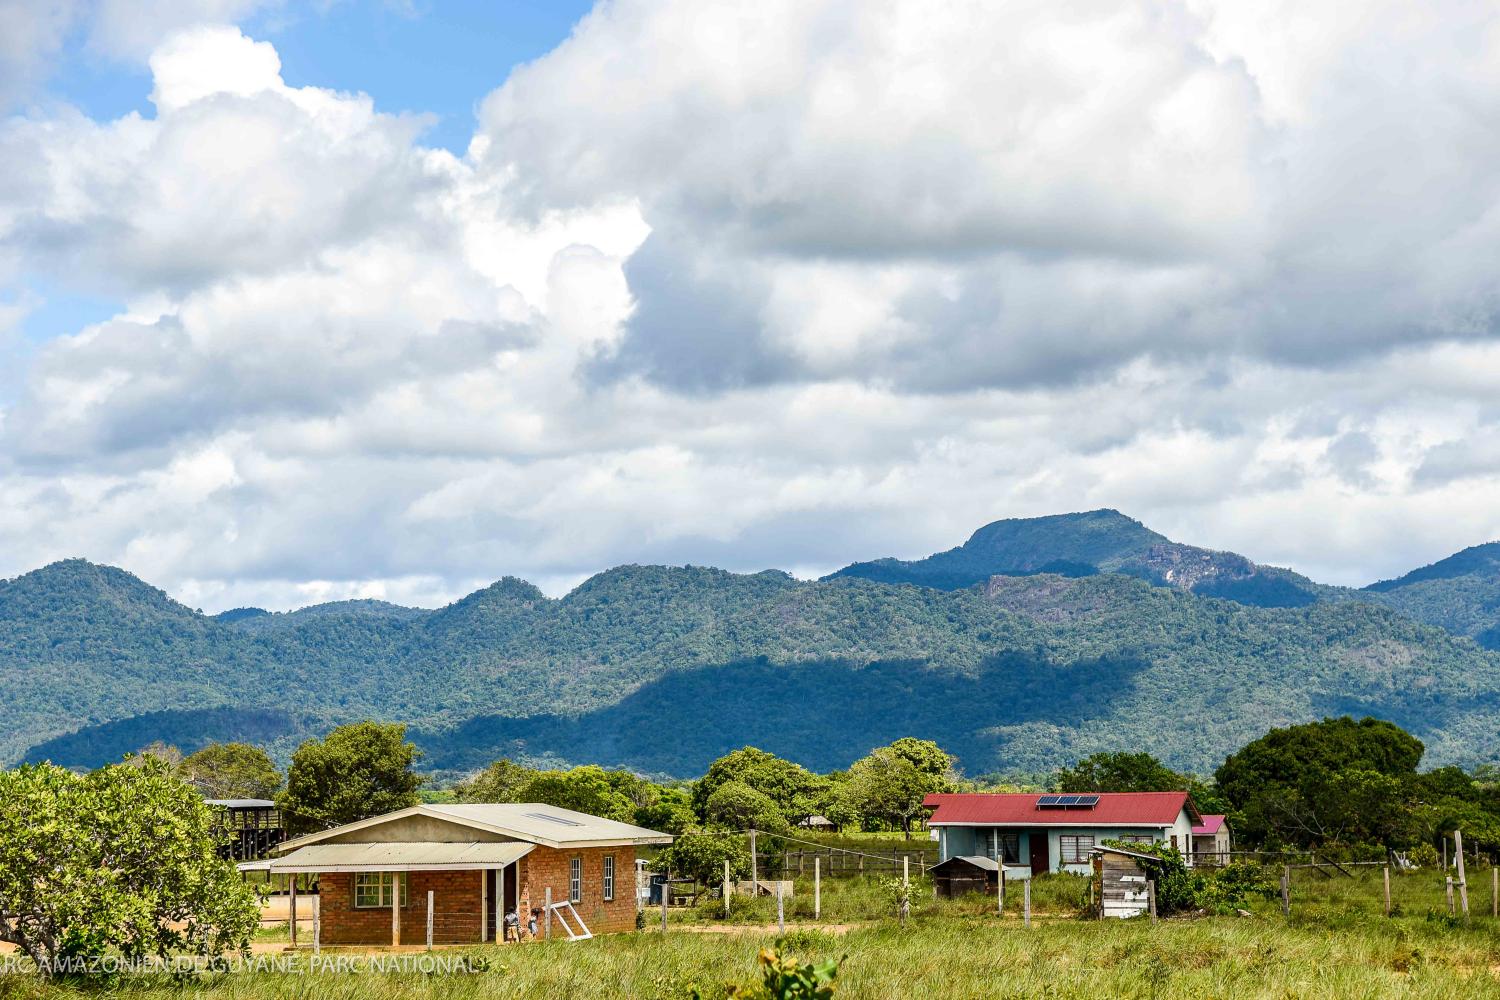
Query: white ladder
[[583, 933]]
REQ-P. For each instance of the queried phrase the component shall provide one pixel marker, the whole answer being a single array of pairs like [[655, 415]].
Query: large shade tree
[[356, 771], [793, 789], [121, 860], [231, 771]]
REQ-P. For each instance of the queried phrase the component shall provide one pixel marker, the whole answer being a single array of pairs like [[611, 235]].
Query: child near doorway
[[512, 926], [531, 922]]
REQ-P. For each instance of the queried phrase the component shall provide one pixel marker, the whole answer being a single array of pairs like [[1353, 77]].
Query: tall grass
[[1337, 944]]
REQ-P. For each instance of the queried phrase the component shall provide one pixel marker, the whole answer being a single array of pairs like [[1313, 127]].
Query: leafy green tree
[[791, 787], [734, 805], [701, 856], [231, 771], [587, 789], [356, 771], [1337, 780], [888, 786], [671, 811], [1119, 772], [497, 783], [122, 859], [926, 756]]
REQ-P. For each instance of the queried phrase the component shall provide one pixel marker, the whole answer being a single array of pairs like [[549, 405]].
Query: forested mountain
[[1096, 541], [1460, 593], [664, 668]]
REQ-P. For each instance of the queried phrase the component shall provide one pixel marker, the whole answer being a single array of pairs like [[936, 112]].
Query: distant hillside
[[665, 668], [1460, 593], [1097, 541]]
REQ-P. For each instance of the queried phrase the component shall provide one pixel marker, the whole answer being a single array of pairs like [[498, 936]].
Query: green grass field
[[1336, 944]]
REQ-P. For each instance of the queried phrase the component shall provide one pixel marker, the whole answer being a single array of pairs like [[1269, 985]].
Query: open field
[[1336, 944]]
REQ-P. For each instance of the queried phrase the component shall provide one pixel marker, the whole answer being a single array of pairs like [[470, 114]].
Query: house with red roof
[[1211, 841], [1032, 834]]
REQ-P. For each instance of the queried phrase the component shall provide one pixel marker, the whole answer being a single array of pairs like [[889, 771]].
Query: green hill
[[664, 668], [1460, 593], [1096, 541]]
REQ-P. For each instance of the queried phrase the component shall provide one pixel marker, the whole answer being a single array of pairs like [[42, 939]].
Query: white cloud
[[768, 285]]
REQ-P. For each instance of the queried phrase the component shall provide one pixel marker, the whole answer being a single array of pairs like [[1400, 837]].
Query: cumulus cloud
[[766, 285]]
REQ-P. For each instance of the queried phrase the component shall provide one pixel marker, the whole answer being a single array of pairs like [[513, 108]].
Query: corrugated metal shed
[[398, 857]]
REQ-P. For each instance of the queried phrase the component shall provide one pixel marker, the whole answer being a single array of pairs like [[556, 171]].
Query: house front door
[[1040, 862]]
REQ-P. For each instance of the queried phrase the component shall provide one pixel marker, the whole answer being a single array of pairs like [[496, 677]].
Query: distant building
[[821, 824], [1211, 841], [252, 827], [1032, 834]]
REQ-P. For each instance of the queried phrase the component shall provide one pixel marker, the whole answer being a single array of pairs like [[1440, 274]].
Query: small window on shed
[[575, 880]]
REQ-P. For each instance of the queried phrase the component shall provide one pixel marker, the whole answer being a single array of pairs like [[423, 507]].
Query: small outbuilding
[[965, 874], [1211, 841], [1123, 877]]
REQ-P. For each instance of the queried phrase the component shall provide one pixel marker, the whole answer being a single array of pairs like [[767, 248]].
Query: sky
[[361, 299]]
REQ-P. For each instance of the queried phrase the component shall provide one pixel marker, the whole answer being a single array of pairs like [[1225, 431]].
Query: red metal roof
[[1112, 809], [1210, 825]]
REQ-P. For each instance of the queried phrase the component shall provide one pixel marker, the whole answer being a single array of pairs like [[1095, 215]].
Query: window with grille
[[575, 880], [373, 889], [1004, 847], [609, 877], [1075, 848]]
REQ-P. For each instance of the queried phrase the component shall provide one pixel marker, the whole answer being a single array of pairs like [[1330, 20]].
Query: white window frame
[[575, 880], [1081, 844], [609, 878], [378, 886], [994, 849]]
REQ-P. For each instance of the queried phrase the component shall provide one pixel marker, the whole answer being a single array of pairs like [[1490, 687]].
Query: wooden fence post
[[780, 909], [395, 909], [318, 927], [1463, 882], [1000, 893], [1448, 888], [1387, 871], [547, 914], [291, 924], [1026, 901], [1494, 891], [666, 894], [754, 885], [429, 919], [817, 887], [1286, 891], [1151, 897], [726, 888]]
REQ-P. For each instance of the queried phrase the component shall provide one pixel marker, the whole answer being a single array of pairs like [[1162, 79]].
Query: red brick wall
[[455, 910], [545, 867], [456, 900]]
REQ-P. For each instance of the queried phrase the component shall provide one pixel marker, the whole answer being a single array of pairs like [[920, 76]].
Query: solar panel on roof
[[1068, 800], [1088, 800], [1049, 801]]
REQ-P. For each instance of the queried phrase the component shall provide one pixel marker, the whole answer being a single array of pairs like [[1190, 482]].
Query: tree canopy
[[231, 771], [356, 771], [124, 858], [792, 788]]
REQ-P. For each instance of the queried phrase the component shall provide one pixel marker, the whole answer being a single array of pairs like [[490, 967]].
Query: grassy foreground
[[1337, 944]]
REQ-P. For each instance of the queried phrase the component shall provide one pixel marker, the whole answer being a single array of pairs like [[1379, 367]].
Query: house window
[[1075, 848], [373, 889], [609, 877], [1004, 847], [1137, 838], [575, 880]]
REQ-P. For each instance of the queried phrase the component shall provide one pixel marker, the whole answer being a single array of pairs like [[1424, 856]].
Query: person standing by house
[[531, 922], [512, 926]]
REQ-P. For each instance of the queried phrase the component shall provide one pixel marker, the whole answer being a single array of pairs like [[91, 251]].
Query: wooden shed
[[1123, 875], [959, 875]]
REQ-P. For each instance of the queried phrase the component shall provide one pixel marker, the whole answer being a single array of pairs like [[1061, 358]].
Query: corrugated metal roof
[[535, 822], [977, 860], [1006, 809], [1210, 825], [400, 857]]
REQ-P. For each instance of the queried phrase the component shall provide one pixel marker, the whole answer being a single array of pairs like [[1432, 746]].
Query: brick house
[[478, 862]]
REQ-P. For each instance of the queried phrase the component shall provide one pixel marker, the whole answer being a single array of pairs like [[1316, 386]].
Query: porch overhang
[[400, 857]]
